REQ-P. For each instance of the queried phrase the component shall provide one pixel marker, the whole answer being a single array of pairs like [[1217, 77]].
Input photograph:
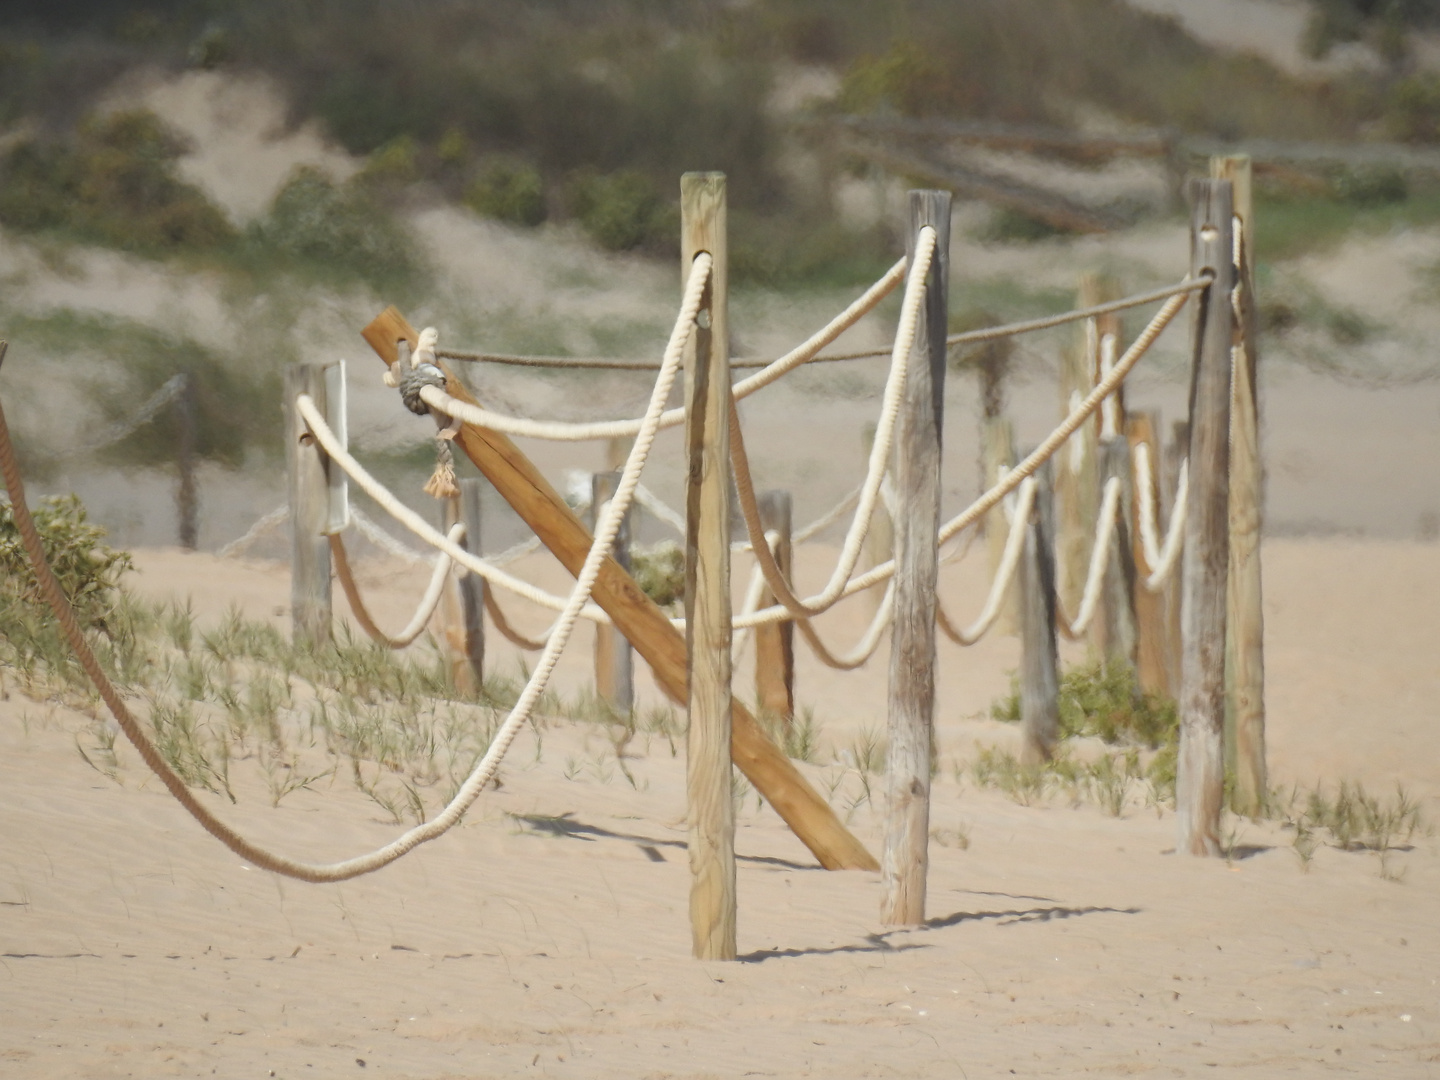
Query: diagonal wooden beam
[[638, 617]]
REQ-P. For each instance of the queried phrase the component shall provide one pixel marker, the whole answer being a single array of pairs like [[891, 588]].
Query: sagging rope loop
[[1004, 573]]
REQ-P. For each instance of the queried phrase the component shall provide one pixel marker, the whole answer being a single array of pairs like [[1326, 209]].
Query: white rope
[[168, 392], [864, 648], [657, 508], [1004, 573], [1099, 560], [754, 593], [424, 611], [1012, 480], [382, 539], [422, 528], [1110, 408], [1159, 561], [257, 530], [437, 399], [910, 311]]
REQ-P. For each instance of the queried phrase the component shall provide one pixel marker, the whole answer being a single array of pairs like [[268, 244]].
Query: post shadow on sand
[[565, 825]]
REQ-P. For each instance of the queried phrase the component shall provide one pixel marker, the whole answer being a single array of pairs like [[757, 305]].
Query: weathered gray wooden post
[[1117, 608], [614, 659], [1039, 657], [1151, 639], [471, 648], [1200, 771], [775, 642], [1245, 644], [912, 644], [707, 578], [187, 495], [308, 467]]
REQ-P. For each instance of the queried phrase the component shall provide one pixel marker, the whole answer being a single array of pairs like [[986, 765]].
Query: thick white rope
[[1099, 560], [429, 600], [1004, 574], [879, 463], [442, 402], [262, 526], [1042, 453], [422, 528], [382, 539], [867, 645], [1159, 561]]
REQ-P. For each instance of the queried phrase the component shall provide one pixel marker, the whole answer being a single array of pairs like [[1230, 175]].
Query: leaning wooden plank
[[649, 630]]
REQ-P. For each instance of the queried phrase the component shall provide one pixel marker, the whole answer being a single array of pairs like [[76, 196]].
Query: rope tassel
[[442, 481]]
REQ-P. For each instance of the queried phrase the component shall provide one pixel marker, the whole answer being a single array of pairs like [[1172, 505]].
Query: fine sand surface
[[548, 935]]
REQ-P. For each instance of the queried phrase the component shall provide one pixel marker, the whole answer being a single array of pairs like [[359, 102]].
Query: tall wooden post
[[1117, 607], [1200, 772], [308, 467], [1176, 452], [1245, 636], [614, 659], [1077, 491], [187, 498], [1039, 658], [470, 648], [707, 578], [1150, 628], [912, 649], [775, 642]]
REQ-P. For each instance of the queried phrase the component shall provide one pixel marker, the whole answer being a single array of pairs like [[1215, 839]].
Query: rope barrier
[[989, 333], [1074, 629], [1004, 574], [879, 458], [1159, 562], [609, 527], [1042, 453], [262, 526], [615, 429], [508, 631], [429, 601], [169, 390]]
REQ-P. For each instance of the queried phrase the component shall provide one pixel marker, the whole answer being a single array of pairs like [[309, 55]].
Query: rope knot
[[415, 380]]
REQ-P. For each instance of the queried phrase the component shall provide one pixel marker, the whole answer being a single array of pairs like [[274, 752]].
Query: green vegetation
[[660, 572]]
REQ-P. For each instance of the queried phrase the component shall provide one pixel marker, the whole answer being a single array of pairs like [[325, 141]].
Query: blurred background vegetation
[[588, 110]]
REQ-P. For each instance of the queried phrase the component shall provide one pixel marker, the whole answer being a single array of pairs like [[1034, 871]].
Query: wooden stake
[[775, 642], [1117, 605], [707, 579], [471, 587], [1077, 491], [187, 498], [648, 628], [308, 467], [1039, 659], [1245, 637], [1200, 772], [1150, 626], [1176, 451], [614, 659], [912, 649]]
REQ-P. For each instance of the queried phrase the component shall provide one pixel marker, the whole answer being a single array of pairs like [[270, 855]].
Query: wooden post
[[1200, 771], [1150, 626], [707, 579], [880, 539], [1245, 626], [1077, 491], [775, 642], [1117, 605], [1039, 658], [614, 660], [187, 498], [309, 510], [469, 648], [1176, 452], [998, 456], [912, 648], [543, 509]]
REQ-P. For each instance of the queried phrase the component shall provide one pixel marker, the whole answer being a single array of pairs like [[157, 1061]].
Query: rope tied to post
[[416, 379]]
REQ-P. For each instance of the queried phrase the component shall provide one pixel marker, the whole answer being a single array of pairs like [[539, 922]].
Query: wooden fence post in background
[[707, 578], [775, 642], [880, 538], [1245, 627], [1077, 491], [187, 496], [912, 648], [1151, 639], [999, 457], [467, 649], [1176, 452], [308, 467], [614, 659], [1117, 605], [1039, 659], [1200, 771]]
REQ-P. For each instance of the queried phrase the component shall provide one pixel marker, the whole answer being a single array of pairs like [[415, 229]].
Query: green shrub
[[622, 211], [114, 183], [660, 572], [88, 570], [1103, 700], [509, 192]]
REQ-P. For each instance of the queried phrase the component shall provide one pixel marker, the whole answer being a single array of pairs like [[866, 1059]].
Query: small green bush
[[509, 192], [1103, 700], [622, 211], [88, 570], [660, 572], [114, 183]]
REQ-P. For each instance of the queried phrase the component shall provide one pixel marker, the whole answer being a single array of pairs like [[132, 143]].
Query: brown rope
[[508, 632]]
